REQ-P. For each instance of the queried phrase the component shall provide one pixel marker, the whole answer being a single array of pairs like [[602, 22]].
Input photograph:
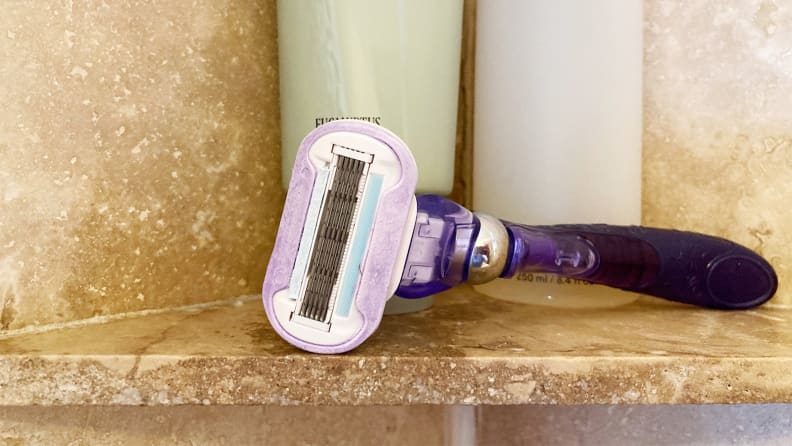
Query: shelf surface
[[466, 349]]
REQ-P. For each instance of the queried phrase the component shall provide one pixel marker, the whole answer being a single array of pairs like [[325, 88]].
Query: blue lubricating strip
[[355, 258], [311, 221]]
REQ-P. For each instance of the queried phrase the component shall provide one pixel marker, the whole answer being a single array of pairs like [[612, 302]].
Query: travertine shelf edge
[[467, 349], [390, 381]]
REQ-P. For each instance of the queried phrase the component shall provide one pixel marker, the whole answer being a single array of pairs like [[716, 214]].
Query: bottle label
[[550, 279], [326, 119]]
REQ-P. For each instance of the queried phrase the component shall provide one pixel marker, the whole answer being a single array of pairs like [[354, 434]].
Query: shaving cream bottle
[[558, 121], [394, 63]]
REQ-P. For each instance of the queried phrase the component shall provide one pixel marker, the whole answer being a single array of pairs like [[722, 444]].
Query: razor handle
[[680, 266], [451, 245]]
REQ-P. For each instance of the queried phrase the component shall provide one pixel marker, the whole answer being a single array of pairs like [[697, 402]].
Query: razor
[[353, 233]]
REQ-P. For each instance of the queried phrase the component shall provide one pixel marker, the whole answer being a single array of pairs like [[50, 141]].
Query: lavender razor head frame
[[352, 234], [343, 236]]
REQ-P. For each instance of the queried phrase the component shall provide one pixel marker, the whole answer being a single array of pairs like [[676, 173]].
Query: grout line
[[96, 320]]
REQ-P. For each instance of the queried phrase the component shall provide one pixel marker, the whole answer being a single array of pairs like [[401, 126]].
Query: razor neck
[[451, 245], [440, 248]]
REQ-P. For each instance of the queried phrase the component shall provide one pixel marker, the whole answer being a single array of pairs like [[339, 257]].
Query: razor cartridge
[[343, 236]]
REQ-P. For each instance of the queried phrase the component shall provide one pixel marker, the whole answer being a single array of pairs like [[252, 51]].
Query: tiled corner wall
[[139, 143]]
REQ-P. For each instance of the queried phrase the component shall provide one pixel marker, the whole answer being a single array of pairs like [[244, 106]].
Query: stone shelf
[[467, 349]]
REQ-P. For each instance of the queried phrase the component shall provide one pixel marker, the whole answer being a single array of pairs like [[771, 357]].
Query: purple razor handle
[[451, 245]]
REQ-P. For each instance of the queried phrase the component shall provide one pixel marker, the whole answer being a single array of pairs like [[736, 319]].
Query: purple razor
[[353, 233]]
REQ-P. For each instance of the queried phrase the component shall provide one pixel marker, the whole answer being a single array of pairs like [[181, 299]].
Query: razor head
[[343, 236]]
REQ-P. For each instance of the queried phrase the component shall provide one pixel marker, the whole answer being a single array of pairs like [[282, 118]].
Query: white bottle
[[558, 125], [391, 62]]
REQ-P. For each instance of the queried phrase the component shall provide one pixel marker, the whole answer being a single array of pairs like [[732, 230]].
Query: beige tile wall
[[222, 425], [761, 424], [418, 425], [139, 145], [718, 122]]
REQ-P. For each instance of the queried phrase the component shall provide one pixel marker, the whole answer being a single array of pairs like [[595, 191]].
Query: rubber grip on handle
[[681, 266]]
